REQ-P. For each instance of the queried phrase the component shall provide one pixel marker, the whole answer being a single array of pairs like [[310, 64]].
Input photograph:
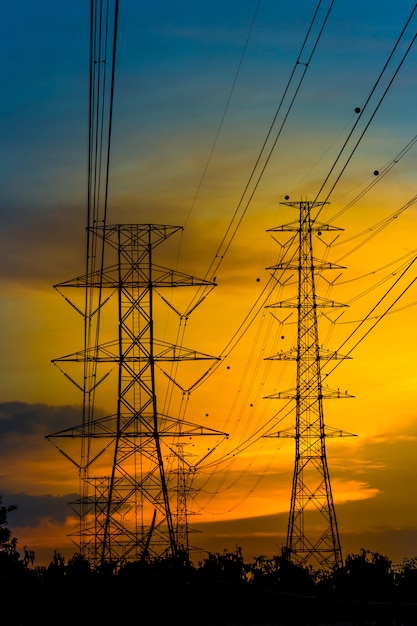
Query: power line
[[240, 212], [376, 178], [407, 268], [396, 45], [250, 440], [226, 108]]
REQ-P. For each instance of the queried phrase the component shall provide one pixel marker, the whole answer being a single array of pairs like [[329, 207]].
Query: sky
[[221, 110]]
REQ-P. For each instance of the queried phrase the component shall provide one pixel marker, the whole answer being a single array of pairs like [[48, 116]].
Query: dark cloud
[[20, 421], [42, 247], [33, 510]]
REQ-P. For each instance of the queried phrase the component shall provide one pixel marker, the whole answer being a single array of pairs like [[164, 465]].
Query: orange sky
[[174, 78]]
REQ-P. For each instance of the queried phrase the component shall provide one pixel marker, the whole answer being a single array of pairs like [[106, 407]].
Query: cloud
[[20, 421], [32, 511], [266, 534], [42, 246]]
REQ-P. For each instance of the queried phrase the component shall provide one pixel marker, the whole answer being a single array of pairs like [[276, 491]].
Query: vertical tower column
[[312, 534], [133, 503], [138, 504]]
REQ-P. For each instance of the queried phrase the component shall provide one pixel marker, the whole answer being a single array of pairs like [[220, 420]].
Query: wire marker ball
[[357, 110]]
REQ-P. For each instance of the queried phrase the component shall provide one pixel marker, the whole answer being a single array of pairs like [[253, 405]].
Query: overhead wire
[[228, 237], [193, 305], [346, 340], [376, 178], [239, 449], [223, 117], [368, 99], [229, 234], [226, 242], [379, 269], [395, 160], [261, 432], [239, 212], [404, 151], [99, 134], [375, 229]]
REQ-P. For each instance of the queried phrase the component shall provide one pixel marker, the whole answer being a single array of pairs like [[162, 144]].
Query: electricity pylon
[[312, 535], [133, 507], [132, 504]]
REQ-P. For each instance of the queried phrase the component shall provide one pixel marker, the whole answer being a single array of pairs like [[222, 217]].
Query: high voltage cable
[[408, 267], [192, 306], [375, 286], [100, 119], [255, 436], [373, 272], [239, 449], [226, 108], [261, 431], [372, 116], [390, 312], [220, 257], [376, 179], [262, 298], [401, 154], [229, 234], [238, 336], [99, 132], [215, 493], [383, 280], [363, 109], [226, 242], [374, 230], [379, 225], [248, 442]]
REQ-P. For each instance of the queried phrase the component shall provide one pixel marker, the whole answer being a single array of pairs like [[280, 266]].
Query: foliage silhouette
[[221, 589], [9, 556], [365, 576]]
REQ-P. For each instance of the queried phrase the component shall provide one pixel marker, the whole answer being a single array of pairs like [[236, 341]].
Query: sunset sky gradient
[[215, 122]]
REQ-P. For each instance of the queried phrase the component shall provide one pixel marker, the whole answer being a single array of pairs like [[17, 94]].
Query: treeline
[[221, 589]]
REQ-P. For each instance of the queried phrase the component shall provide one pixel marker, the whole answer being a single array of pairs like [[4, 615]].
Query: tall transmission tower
[[134, 506], [312, 535], [132, 501]]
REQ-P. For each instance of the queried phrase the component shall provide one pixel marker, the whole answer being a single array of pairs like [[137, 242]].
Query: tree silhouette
[[281, 574], [365, 576], [9, 556]]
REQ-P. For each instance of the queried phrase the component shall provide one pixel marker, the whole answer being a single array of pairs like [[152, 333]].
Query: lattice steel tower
[[312, 535], [133, 475], [136, 507]]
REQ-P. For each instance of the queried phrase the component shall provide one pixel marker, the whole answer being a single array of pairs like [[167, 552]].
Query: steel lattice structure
[[137, 509], [133, 475], [312, 535]]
